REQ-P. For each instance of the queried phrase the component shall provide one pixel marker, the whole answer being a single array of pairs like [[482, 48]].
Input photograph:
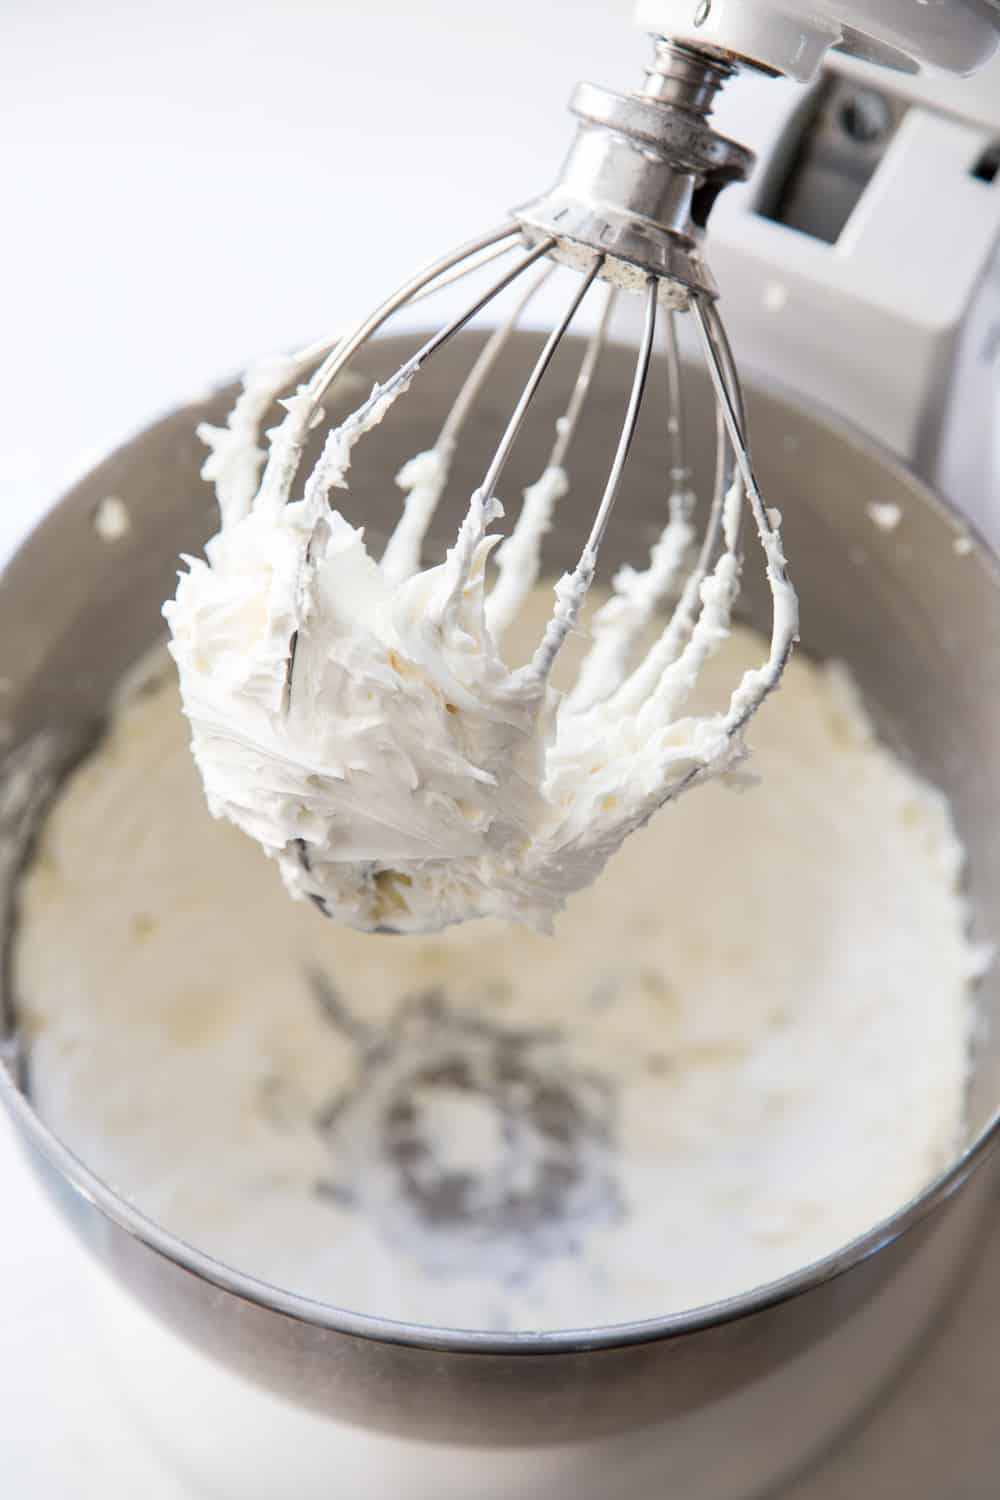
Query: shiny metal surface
[[643, 173], [777, 1371]]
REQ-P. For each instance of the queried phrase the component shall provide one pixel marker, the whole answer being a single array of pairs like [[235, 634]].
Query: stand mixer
[[772, 38]]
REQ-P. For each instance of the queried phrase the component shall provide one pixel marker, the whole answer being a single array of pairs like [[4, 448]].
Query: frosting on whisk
[[357, 717]]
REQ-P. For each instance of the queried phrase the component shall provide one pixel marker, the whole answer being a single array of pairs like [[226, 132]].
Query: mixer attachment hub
[[642, 176]]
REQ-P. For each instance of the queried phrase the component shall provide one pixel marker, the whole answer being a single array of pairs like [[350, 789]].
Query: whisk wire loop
[[535, 379]]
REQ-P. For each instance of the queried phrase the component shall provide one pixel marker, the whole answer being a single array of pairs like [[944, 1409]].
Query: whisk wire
[[534, 380], [464, 267], [330, 466], [680, 473], [457, 260], [519, 556], [722, 372], [637, 594], [472, 386], [425, 476], [572, 587], [566, 426], [287, 442], [784, 624], [629, 425]]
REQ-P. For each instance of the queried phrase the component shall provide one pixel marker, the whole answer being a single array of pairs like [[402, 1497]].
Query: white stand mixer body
[[791, 38], [896, 325]]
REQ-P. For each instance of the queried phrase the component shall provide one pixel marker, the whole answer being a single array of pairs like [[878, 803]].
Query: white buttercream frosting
[[717, 1070], [357, 718]]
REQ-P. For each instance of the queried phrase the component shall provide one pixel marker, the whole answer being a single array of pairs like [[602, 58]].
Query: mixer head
[[792, 37]]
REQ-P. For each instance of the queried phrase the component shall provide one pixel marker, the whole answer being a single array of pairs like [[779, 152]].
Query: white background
[[187, 184]]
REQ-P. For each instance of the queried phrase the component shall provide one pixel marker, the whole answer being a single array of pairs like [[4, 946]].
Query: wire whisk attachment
[[356, 714]]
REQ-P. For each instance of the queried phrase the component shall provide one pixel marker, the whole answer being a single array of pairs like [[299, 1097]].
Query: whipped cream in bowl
[[486, 1125]]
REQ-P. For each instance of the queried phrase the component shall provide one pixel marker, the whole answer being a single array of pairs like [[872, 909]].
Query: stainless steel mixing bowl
[[770, 1375]]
